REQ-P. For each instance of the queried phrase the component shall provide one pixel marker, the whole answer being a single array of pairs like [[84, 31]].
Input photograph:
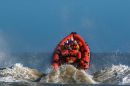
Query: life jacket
[[71, 56]]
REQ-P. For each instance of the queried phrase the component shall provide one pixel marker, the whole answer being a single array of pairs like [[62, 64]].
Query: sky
[[39, 25]]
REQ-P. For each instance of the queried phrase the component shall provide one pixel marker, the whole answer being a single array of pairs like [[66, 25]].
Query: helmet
[[67, 41], [75, 42]]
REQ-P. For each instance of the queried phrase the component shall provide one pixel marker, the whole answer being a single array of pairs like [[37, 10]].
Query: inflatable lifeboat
[[72, 50]]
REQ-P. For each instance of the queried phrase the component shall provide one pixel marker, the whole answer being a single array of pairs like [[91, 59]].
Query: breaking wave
[[19, 73], [117, 74], [66, 74]]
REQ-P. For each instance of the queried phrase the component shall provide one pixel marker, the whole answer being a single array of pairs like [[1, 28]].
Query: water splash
[[126, 80], [113, 75], [68, 74], [19, 73]]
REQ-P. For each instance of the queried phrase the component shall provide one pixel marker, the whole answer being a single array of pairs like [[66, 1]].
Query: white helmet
[[67, 42], [75, 42]]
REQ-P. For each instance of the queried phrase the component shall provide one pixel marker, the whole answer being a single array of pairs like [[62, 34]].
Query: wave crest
[[19, 73], [68, 74]]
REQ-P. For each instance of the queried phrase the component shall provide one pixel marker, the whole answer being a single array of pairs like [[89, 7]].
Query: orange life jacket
[[71, 55]]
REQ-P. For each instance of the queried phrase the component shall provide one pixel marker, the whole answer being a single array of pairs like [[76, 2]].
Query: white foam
[[116, 74], [126, 80], [68, 74], [19, 73]]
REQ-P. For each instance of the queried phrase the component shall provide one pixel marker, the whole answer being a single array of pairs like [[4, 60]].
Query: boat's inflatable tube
[[84, 50]]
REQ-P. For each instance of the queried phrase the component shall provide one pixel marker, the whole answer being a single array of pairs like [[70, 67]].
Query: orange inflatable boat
[[72, 50]]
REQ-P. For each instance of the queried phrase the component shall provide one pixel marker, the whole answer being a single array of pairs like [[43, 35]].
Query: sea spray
[[112, 75], [68, 74], [126, 80], [19, 73], [5, 60]]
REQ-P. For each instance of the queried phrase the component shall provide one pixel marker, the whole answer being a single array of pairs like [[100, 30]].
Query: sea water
[[35, 69]]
